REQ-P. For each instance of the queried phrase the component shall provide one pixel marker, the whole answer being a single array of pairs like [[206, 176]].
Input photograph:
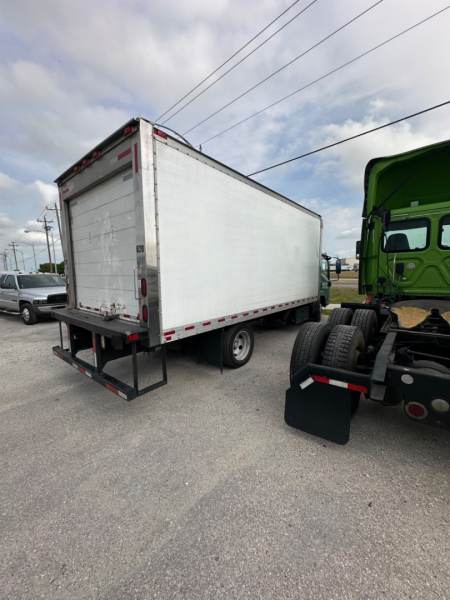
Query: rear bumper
[[114, 385]]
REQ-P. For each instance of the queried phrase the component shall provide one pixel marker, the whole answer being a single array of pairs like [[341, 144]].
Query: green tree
[[45, 268]]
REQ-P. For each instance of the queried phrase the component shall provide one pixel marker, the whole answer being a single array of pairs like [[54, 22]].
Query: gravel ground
[[200, 490]]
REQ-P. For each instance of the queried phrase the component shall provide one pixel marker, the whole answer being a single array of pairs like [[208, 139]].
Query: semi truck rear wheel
[[344, 350], [308, 346], [340, 316], [238, 343], [367, 321]]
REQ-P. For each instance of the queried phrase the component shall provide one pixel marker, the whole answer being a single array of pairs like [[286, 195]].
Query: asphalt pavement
[[199, 490]]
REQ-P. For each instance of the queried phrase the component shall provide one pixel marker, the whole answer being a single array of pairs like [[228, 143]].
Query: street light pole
[[34, 253]]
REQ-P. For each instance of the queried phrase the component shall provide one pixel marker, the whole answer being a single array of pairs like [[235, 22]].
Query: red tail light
[[143, 287], [161, 133], [145, 314]]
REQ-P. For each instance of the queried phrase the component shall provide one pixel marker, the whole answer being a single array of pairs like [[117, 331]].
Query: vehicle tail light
[[161, 133], [145, 314], [144, 287]]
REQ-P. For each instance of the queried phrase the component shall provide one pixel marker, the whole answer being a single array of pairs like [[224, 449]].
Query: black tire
[[27, 314], [237, 346], [316, 312], [344, 350], [367, 321], [308, 346], [340, 316]]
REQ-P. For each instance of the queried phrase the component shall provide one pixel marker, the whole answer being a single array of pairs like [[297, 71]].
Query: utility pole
[[47, 228], [5, 260], [56, 211], [13, 246]]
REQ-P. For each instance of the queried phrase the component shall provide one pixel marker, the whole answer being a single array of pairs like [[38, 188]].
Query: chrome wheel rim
[[26, 314], [241, 345]]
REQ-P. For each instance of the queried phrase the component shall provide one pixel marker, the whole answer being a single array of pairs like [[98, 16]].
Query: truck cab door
[[8, 293]]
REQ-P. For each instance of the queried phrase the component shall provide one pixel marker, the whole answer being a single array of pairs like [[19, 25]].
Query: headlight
[[42, 301]]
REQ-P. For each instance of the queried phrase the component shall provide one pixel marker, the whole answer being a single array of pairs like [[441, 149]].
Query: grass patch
[[345, 275], [338, 295]]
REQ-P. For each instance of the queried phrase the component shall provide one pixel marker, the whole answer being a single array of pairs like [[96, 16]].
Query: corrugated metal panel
[[102, 223]]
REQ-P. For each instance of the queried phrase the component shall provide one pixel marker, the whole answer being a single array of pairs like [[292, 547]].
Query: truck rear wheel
[[344, 349], [308, 346], [316, 311], [238, 343], [367, 321], [27, 313], [340, 316]]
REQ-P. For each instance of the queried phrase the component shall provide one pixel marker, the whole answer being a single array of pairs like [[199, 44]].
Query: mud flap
[[321, 410], [210, 348]]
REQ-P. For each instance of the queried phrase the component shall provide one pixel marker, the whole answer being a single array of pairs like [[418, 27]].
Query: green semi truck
[[395, 347]]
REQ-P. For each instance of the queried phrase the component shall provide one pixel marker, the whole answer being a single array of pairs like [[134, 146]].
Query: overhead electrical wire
[[284, 67], [353, 137], [228, 59], [237, 64], [323, 77]]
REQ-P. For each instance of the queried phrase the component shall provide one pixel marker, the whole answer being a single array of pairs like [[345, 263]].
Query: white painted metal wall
[[104, 246], [225, 246]]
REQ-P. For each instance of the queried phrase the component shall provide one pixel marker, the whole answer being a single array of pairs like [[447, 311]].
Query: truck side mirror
[[338, 266], [358, 248]]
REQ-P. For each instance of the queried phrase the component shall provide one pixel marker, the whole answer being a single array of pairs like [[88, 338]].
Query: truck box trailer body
[[165, 243]]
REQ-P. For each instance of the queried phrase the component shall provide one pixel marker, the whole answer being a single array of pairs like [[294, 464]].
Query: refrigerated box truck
[[162, 243]]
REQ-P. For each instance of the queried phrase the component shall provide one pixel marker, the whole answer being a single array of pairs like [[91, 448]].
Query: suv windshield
[[37, 281]]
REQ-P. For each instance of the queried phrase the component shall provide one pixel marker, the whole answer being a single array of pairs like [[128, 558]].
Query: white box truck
[[162, 242]]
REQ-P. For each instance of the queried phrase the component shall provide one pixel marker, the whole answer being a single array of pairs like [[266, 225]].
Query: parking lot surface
[[199, 489]]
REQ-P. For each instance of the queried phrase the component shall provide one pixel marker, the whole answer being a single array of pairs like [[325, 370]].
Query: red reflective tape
[[264, 309], [221, 320], [81, 370], [81, 306], [280, 305], [321, 379], [97, 309], [93, 345], [272, 307], [255, 312], [357, 388], [169, 332], [133, 337], [207, 323], [113, 389], [287, 304], [189, 328], [168, 338], [137, 317], [234, 317], [66, 191], [136, 163], [124, 153], [127, 316], [245, 314]]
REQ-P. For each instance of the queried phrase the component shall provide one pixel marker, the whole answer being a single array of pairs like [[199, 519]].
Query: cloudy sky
[[73, 72]]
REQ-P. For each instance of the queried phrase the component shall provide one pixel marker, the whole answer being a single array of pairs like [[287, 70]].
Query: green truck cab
[[394, 347]]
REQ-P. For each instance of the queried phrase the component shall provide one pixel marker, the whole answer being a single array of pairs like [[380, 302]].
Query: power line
[[238, 63], [350, 138], [323, 76], [284, 67], [228, 60]]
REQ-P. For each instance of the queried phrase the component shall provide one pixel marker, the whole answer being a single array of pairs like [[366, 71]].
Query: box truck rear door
[[102, 222]]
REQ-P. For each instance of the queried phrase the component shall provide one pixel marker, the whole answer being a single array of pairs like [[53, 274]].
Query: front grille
[[57, 299]]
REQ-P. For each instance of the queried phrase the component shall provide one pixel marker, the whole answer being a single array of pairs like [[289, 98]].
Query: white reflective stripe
[[307, 382], [88, 374], [95, 359], [113, 160], [75, 366], [337, 383], [122, 394]]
